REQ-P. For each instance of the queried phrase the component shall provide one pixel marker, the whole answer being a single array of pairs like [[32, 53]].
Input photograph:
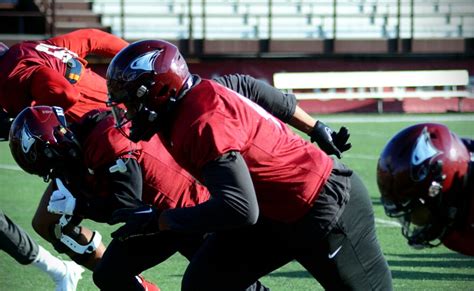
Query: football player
[[424, 175], [54, 72], [275, 197]]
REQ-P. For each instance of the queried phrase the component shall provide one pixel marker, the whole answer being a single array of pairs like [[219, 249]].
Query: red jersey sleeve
[[49, 87], [90, 41]]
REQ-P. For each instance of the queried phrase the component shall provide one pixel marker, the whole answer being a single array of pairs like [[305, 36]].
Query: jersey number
[[59, 52], [262, 112]]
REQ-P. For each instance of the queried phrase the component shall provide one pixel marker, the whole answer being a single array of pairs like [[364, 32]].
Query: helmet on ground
[[144, 77], [40, 140], [419, 172]]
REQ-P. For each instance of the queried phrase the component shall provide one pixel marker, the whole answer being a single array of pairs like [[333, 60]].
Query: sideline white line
[[399, 118], [387, 223], [10, 167], [361, 156]]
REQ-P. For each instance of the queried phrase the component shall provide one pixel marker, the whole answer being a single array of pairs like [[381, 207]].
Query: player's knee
[[191, 281], [106, 278], [102, 279]]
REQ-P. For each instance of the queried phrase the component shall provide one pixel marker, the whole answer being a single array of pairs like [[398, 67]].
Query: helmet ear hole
[[142, 91]]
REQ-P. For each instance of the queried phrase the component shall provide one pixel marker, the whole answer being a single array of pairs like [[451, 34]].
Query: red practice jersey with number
[[33, 73]]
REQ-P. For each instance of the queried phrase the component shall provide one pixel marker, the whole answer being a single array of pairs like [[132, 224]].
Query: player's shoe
[[69, 281], [146, 284]]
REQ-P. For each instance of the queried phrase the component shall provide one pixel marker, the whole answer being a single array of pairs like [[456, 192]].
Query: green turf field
[[434, 269]]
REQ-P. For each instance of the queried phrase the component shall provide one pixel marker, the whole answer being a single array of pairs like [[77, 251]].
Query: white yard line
[[387, 223], [10, 167], [360, 156], [399, 118]]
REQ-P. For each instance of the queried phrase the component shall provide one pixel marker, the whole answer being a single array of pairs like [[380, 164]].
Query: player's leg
[[349, 258], [235, 260], [16, 242], [46, 225], [123, 261], [19, 245]]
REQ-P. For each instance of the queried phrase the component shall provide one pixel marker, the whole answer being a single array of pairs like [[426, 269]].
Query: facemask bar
[[419, 237]]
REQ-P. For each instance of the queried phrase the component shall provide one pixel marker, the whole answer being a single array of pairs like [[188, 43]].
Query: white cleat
[[73, 275]]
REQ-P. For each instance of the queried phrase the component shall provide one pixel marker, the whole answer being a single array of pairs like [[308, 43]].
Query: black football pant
[[122, 261], [342, 254], [16, 242]]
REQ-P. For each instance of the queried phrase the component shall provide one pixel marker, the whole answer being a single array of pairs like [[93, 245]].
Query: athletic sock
[[50, 264]]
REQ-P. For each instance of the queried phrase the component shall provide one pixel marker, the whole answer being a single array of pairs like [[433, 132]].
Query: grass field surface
[[429, 269]]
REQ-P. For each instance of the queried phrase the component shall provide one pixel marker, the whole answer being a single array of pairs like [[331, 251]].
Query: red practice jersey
[[33, 73], [165, 184], [287, 171]]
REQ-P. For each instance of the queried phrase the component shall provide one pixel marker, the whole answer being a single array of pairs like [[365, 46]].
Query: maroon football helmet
[[419, 173], [145, 77], [40, 140]]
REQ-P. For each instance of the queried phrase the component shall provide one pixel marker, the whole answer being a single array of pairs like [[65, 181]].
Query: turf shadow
[[432, 276]]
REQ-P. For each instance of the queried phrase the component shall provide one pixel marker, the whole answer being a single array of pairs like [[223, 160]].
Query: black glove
[[5, 124], [140, 221], [331, 142]]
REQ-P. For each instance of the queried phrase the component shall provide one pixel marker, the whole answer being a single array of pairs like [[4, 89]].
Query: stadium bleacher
[[425, 35], [300, 19]]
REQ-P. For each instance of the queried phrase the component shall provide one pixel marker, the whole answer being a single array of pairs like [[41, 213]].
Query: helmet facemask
[[421, 221], [136, 122]]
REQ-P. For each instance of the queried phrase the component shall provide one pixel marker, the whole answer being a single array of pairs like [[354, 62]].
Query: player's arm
[[276, 102], [284, 107], [125, 191], [80, 243], [49, 87], [233, 203], [90, 41]]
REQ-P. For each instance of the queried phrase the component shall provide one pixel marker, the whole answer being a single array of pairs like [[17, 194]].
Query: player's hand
[[140, 221], [61, 201], [331, 142]]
